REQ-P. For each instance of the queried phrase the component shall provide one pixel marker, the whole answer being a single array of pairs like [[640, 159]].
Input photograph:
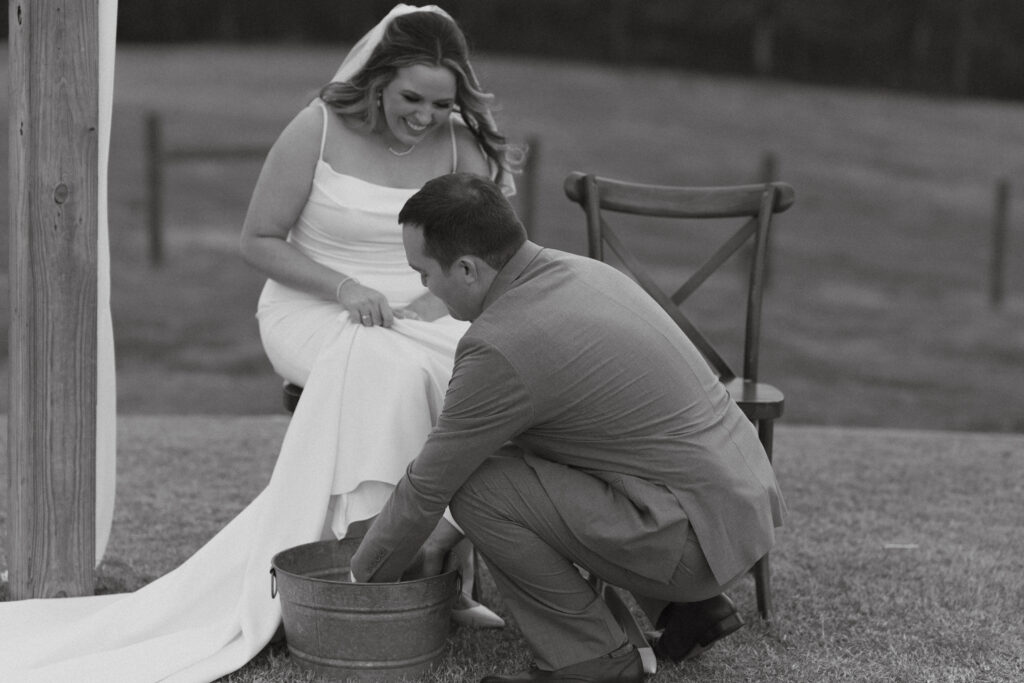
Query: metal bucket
[[359, 631]]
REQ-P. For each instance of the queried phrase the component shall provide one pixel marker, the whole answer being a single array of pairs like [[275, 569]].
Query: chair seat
[[757, 400]]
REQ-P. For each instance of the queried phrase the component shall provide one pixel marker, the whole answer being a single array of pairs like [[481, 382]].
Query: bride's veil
[[360, 53]]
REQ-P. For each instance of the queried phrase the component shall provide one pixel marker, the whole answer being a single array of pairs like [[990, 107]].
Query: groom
[[581, 428]]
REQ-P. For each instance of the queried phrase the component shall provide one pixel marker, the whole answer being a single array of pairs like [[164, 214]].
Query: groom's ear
[[467, 268]]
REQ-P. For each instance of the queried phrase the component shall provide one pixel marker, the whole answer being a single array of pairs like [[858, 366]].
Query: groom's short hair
[[462, 214]]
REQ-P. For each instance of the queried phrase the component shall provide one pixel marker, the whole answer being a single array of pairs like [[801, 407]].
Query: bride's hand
[[427, 307], [365, 305]]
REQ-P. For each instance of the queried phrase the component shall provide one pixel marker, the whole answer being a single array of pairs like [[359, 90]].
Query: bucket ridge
[[368, 665]]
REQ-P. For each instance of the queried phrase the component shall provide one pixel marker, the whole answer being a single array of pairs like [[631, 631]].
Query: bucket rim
[[275, 569]]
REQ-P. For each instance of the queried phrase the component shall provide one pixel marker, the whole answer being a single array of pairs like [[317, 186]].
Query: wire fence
[[162, 154]]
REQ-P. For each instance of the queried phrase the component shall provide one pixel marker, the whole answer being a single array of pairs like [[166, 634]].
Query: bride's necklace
[[403, 153]]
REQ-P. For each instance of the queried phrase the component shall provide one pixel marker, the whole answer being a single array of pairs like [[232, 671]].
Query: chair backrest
[[756, 203]]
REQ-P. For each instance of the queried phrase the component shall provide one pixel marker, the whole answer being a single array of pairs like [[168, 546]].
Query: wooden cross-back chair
[[761, 403]]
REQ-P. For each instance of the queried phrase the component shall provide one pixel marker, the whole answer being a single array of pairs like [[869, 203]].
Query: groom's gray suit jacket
[[575, 365]]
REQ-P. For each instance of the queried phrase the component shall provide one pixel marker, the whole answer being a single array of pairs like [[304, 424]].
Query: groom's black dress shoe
[[621, 666], [692, 627]]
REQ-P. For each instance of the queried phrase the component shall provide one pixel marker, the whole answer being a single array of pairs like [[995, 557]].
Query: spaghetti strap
[[323, 134], [455, 148]]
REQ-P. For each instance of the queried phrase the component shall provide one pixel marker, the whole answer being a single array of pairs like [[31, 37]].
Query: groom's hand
[[431, 557], [429, 561], [427, 307]]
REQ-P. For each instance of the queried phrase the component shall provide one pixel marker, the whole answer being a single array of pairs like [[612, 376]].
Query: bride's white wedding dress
[[370, 398]]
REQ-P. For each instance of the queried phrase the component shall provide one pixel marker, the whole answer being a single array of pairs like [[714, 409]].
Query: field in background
[[877, 313]]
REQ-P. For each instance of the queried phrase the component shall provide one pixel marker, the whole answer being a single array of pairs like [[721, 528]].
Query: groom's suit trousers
[[534, 556]]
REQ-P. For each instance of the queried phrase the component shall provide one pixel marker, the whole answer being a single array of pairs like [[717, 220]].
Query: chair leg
[[766, 434], [762, 569], [763, 586]]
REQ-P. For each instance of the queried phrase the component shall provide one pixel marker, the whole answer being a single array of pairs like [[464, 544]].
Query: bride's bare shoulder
[[471, 156]]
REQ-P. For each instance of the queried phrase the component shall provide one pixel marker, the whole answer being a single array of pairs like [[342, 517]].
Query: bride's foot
[[469, 612]]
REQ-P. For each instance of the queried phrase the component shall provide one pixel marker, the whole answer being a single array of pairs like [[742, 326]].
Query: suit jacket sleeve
[[486, 404]]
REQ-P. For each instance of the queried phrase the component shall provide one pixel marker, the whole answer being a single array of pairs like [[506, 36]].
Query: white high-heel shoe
[[467, 611], [476, 615]]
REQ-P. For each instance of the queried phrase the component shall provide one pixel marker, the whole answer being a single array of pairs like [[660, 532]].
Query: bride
[[343, 316]]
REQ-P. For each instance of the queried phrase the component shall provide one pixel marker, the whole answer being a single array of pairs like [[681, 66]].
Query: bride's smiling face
[[417, 101]]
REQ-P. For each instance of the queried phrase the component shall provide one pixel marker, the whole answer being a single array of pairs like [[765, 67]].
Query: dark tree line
[[967, 47]]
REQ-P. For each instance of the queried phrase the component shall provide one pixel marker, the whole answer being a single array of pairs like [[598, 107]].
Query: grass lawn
[[902, 559], [877, 313]]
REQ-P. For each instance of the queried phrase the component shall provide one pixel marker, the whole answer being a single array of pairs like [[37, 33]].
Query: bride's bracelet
[[337, 291]]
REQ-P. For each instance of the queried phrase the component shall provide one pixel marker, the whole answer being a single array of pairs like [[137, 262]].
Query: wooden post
[[54, 74], [154, 187], [999, 223], [528, 191]]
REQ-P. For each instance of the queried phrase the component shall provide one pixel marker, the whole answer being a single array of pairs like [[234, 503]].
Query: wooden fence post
[[999, 223], [154, 187], [54, 71], [528, 192]]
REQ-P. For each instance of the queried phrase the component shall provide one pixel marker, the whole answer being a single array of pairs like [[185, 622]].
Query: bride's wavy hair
[[432, 39]]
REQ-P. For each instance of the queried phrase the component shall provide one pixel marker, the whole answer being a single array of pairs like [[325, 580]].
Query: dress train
[[212, 614]]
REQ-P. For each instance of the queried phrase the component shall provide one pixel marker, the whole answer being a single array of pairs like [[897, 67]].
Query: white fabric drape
[[106, 386]]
